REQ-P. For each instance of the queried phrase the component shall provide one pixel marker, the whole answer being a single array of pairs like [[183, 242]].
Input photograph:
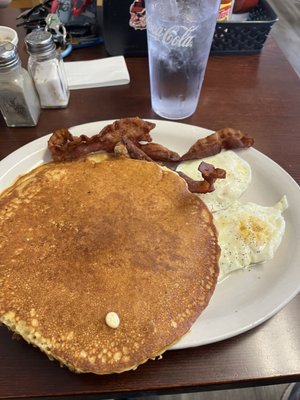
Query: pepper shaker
[[19, 102], [47, 70]]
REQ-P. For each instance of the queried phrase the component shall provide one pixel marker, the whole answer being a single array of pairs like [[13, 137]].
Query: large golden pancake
[[82, 239]]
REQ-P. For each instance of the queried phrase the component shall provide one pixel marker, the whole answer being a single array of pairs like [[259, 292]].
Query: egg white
[[248, 234], [228, 190]]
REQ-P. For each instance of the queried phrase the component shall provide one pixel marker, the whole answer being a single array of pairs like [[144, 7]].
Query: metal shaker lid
[[8, 55], [39, 42]]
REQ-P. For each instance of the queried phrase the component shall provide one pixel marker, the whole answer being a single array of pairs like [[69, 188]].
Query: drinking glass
[[179, 34]]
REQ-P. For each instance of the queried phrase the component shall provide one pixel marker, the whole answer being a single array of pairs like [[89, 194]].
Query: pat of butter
[[112, 320]]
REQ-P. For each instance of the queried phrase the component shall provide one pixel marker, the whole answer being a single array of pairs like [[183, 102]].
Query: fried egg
[[248, 234], [228, 190]]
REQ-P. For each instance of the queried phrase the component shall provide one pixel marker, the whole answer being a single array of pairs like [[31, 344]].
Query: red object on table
[[241, 6]]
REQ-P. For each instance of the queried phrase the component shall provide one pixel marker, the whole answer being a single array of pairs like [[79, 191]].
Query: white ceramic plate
[[246, 298]]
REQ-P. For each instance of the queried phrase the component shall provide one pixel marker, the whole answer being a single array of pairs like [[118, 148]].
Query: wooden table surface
[[259, 94]]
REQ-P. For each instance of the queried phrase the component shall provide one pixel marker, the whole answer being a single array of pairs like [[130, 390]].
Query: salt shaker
[[47, 70], [19, 102]]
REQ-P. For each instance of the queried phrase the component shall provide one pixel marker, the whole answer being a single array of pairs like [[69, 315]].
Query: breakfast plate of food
[[251, 210]]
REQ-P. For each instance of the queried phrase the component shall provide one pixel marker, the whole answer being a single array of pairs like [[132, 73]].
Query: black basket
[[247, 37]]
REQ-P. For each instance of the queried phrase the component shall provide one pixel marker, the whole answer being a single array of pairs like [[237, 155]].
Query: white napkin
[[109, 71]]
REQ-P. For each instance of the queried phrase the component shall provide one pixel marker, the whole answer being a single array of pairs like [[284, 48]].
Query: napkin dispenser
[[124, 27]]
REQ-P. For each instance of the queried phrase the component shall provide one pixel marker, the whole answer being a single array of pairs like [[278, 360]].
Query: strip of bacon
[[66, 147], [209, 173], [227, 138], [134, 151], [159, 152], [135, 129]]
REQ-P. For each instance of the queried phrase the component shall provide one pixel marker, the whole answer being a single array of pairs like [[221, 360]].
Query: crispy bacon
[[209, 173], [66, 147], [124, 136], [227, 138], [159, 152], [133, 150], [134, 129]]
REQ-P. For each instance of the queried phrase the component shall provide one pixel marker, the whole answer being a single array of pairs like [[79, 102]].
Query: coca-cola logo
[[176, 35]]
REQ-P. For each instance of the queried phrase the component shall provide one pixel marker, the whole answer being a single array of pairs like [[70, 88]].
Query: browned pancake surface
[[81, 239]]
